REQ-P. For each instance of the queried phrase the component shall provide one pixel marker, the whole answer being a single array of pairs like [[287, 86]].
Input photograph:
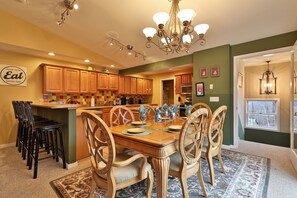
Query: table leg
[[161, 167]]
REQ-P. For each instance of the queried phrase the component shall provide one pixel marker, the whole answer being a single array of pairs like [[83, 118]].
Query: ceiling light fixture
[[268, 82], [87, 61], [128, 48], [176, 35], [51, 54], [70, 5]]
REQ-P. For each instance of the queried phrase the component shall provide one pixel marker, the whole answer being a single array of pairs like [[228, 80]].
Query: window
[[262, 114]]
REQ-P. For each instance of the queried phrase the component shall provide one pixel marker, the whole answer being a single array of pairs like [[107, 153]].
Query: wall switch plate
[[210, 86], [214, 99]]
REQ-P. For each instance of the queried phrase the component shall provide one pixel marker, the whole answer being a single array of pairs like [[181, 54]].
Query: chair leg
[[93, 188], [36, 156], [150, 181], [53, 145], [221, 162], [200, 177], [210, 167], [183, 181], [25, 143]]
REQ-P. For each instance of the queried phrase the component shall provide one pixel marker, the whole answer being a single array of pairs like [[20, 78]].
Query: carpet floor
[[245, 176]]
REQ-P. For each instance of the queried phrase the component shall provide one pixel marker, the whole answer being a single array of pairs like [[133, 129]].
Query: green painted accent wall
[[219, 56], [268, 137], [184, 60]]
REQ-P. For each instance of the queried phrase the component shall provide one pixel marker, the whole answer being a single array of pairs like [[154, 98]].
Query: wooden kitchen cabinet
[[121, 89], [127, 85], [82, 150], [178, 80], [149, 86], [84, 82], [105, 115], [102, 81], [133, 89], [186, 79], [92, 82], [71, 80], [52, 79], [113, 83], [140, 83]]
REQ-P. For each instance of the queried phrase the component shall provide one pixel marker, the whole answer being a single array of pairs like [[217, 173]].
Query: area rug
[[245, 176]]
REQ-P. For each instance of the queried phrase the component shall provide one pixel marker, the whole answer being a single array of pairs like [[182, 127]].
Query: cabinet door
[[113, 82], [102, 81], [127, 85], [133, 85], [178, 80], [84, 82], [186, 79], [52, 79], [71, 80], [150, 87], [82, 150], [121, 85], [92, 82], [139, 86], [105, 115]]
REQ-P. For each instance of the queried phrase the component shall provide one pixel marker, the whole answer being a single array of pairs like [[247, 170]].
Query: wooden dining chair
[[199, 105], [120, 115], [112, 171], [214, 140], [186, 162], [150, 114]]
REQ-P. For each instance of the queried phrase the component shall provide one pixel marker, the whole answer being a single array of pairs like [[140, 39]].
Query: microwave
[[186, 89]]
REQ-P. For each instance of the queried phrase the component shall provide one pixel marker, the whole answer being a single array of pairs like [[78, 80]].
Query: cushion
[[175, 162]]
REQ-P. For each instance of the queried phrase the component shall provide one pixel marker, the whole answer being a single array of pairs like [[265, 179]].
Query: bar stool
[[48, 132]]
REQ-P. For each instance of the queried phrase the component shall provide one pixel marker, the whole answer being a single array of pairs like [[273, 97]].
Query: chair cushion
[[122, 174], [175, 162]]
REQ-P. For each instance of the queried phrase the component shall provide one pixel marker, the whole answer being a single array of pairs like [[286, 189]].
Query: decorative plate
[[175, 127], [138, 123], [136, 130]]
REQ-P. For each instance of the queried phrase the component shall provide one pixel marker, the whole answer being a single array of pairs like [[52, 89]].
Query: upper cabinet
[[178, 80], [133, 85], [127, 85], [84, 81], [124, 85], [71, 80], [113, 83], [182, 79], [144, 86], [92, 82], [52, 79], [102, 81], [186, 78], [140, 86]]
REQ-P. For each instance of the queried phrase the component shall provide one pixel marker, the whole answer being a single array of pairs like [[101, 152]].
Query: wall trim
[[2, 146], [69, 166]]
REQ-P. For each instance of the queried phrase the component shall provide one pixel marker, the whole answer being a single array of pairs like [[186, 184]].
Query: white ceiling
[[231, 22]]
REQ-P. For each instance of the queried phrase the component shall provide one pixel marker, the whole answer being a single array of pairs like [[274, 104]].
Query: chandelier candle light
[[176, 35], [268, 82]]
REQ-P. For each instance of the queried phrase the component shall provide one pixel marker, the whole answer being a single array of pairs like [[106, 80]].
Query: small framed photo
[[215, 71], [200, 89], [203, 72]]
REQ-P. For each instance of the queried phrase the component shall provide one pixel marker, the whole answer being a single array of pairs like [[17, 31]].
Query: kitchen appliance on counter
[[186, 89]]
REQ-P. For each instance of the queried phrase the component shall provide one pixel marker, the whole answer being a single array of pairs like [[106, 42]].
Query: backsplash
[[101, 98]]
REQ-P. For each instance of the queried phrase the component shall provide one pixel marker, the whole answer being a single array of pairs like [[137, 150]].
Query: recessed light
[[51, 54], [87, 61], [111, 65], [75, 6]]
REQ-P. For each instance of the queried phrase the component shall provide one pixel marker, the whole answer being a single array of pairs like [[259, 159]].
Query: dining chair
[[150, 114], [112, 171], [186, 162], [214, 141], [120, 115], [201, 105]]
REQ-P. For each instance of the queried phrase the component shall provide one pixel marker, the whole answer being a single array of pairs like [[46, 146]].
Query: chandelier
[[69, 5], [176, 35], [268, 82]]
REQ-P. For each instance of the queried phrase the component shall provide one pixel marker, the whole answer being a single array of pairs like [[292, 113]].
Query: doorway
[[167, 92]]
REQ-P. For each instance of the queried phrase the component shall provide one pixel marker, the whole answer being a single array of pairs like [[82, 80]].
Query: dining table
[[157, 142]]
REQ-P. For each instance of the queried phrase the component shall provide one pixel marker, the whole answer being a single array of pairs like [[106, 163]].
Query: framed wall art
[[215, 71], [203, 72], [199, 89]]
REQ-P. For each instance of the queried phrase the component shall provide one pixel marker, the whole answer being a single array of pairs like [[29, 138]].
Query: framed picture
[[200, 89], [203, 72], [215, 71]]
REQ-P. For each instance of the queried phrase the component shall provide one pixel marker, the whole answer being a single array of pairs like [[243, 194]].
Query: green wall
[[223, 57], [267, 137]]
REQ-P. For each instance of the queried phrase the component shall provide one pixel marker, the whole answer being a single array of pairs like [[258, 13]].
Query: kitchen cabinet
[[71, 80], [133, 89], [178, 84], [105, 115], [92, 82], [82, 150], [52, 79], [140, 83], [113, 83], [186, 79], [121, 89], [127, 85], [102, 81], [84, 82], [149, 86]]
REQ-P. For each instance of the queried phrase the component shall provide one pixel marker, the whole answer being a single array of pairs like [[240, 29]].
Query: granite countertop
[[79, 111], [55, 105]]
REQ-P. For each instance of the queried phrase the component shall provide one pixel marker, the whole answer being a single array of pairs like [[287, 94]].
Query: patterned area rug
[[245, 176]]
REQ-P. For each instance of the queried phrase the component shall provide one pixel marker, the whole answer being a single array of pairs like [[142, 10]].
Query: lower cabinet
[[82, 150]]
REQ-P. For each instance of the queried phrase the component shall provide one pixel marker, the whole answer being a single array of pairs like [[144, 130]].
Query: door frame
[[236, 65], [161, 89]]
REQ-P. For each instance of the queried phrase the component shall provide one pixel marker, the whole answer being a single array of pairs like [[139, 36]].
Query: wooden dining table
[[158, 145]]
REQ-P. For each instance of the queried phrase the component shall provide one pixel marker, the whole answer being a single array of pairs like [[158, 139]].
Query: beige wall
[[157, 82], [33, 91], [282, 72]]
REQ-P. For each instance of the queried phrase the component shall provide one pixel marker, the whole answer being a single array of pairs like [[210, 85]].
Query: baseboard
[[72, 165], [228, 146], [293, 158], [6, 145]]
